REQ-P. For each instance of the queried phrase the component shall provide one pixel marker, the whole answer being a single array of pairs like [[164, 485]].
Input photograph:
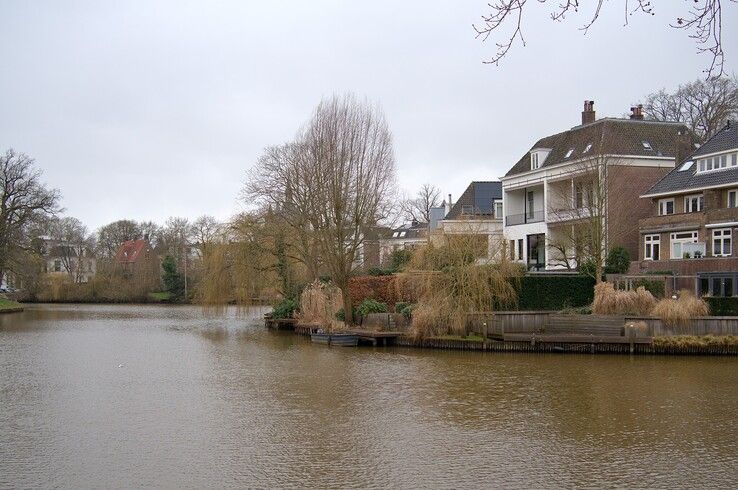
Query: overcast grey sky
[[152, 109]]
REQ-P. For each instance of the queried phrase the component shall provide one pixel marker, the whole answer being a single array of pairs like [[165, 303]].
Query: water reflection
[[111, 396]]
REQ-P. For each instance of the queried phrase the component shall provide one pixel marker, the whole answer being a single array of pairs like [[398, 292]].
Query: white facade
[[491, 228], [533, 201]]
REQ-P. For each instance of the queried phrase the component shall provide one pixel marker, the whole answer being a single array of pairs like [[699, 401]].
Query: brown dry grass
[[319, 303], [610, 301], [678, 312], [688, 341], [449, 284]]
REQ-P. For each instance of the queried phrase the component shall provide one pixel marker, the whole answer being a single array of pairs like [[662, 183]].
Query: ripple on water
[[117, 396]]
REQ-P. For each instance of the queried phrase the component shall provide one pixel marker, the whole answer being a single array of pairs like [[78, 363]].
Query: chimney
[[448, 205], [588, 114], [637, 112]]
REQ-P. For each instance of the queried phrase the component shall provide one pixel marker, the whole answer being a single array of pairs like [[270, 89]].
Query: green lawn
[[160, 296], [6, 304]]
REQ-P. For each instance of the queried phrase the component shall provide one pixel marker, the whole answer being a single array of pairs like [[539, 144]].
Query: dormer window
[[568, 153], [498, 209], [467, 209], [646, 145], [534, 164], [717, 162]]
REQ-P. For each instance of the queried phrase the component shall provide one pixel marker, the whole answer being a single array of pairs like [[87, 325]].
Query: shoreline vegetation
[[10, 306]]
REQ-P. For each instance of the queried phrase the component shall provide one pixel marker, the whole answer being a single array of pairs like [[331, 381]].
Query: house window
[[693, 204], [498, 209], [652, 247], [533, 160], [722, 242], [402, 234], [646, 145], [531, 201], [683, 243], [587, 148], [717, 162], [467, 209], [520, 249], [512, 249], [57, 265], [396, 234], [666, 206], [579, 196], [568, 153], [732, 199]]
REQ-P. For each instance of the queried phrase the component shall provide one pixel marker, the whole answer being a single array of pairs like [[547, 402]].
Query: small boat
[[342, 339]]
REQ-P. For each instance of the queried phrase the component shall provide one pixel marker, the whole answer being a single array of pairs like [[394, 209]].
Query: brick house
[[691, 229], [550, 192]]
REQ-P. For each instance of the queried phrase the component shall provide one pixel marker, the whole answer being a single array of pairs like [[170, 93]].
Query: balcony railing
[[519, 219]]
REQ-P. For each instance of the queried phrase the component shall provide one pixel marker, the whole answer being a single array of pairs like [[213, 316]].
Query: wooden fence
[[534, 321]]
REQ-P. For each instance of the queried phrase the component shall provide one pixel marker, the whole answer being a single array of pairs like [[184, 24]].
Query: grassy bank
[[8, 306]]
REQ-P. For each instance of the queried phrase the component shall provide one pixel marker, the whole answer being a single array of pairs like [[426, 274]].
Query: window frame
[[673, 239], [734, 194], [664, 202], [495, 204], [689, 201], [534, 161], [722, 235], [649, 242]]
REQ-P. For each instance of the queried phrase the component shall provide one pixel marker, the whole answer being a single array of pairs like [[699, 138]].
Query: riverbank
[[722, 345], [9, 306]]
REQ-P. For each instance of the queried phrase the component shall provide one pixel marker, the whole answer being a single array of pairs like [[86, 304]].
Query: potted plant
[[687, 255], [698, 254]]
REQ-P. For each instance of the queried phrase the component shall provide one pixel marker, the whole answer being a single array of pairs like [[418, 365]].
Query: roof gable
[[609, 136], [679, 180], [480, 195]]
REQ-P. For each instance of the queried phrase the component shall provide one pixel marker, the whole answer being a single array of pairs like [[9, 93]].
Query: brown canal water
[[124, 396]]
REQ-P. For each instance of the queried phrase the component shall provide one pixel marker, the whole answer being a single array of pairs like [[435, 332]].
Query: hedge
[[379, 288], [722, 306], [555, 292]]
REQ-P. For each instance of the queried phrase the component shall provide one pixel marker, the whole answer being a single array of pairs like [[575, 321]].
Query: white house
[[546, 193]]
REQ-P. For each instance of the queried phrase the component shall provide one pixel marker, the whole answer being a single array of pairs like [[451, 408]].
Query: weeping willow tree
[[252, 260], [451, 279]]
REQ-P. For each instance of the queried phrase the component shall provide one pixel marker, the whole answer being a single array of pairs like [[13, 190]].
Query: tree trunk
[[347, 305]]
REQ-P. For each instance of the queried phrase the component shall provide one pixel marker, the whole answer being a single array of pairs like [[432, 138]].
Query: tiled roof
[[130, 251], [609, 136], [480, 195], [414, 230], [681, 180]]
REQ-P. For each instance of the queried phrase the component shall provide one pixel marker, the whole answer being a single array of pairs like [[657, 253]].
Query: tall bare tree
[[72, 244], [418, 208], [24, 200], [334, 181], [702, 20], [110, 236], [703, 105]]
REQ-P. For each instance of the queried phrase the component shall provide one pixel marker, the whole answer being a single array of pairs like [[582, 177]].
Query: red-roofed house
[[137, 257]]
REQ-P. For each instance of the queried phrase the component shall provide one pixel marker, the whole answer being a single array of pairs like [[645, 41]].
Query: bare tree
[[334, 181], [24, 200], [72, 244], [280, 186], [110, 236], [702, 21], [703, 105], [590, 209], [205, 230], [418, 208]]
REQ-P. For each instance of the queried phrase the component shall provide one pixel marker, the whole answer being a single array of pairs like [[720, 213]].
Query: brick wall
[[625, 207]]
